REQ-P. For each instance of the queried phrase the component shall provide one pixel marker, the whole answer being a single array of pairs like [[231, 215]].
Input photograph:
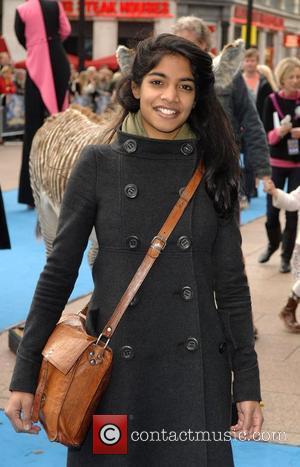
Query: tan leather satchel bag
[[76, 367]]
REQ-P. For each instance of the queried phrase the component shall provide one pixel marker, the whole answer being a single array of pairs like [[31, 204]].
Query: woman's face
[[167, 94], [291, 81]]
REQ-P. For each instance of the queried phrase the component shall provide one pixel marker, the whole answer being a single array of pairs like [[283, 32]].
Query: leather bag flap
[[65, 346]]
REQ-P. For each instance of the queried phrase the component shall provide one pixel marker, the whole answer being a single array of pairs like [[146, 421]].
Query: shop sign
[[119, 9], [291, 40], [259, 19]]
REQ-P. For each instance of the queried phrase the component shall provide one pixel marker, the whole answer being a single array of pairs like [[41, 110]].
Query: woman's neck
[[251, 74], [290, 94]]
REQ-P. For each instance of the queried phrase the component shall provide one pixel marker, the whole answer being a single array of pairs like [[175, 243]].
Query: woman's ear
[[135, 90]]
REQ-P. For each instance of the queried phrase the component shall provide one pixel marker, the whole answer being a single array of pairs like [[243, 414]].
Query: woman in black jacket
[[190, 325]]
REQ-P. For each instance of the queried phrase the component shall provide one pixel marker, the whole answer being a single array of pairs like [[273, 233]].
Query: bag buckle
[[158, 243], [105, 342]]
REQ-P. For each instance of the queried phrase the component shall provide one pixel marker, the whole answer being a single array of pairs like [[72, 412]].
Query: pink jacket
[[38, 62]]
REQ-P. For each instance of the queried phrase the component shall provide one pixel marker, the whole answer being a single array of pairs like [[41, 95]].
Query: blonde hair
[[196, 25], [285, 66], [267, 73]]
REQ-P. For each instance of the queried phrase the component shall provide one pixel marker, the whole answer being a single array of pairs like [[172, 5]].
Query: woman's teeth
[[166, 111]]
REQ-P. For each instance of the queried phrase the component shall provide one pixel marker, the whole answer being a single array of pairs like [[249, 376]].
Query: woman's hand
[[250, 420], [284, 130], [18, 410], [270, 188], [295, 132]]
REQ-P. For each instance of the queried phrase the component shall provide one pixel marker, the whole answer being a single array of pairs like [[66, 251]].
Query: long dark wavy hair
[[215, 139]]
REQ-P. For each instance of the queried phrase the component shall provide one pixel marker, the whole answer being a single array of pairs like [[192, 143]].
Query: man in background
[[259, 88]]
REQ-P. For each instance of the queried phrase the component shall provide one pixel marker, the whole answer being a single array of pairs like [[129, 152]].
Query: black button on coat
[[131, 191], [177, 379]]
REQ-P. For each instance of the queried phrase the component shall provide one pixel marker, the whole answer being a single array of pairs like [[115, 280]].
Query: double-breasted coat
[[190, 323]]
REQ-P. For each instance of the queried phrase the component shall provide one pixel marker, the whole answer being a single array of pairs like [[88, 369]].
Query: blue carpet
[[257, 207], [259, 454], [21, 266], [18, 450], [37, 450]]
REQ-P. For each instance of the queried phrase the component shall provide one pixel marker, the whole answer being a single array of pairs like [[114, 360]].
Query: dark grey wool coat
[[190, 322]]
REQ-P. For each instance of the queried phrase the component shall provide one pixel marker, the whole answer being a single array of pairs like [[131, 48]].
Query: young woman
[[285, 155], [190, 325]]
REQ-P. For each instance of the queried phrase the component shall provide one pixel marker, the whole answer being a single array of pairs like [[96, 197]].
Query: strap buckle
[[105, 342], [158, 243]]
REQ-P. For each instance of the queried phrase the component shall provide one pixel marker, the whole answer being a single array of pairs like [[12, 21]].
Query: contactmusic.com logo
[[110, 434]]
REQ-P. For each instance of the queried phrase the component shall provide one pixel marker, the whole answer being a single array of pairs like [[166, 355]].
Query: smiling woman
[[167, 95], [189, 326]]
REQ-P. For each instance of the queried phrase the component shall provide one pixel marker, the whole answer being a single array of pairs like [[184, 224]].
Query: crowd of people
[[172, 113], [93, 88], [12, 80]]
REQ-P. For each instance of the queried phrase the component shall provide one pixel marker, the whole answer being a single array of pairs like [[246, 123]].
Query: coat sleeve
[[288, 201], [254, 136], [268, 111], [64, 24], [20, 29], [57, 280], [264, 91], [234, 307]]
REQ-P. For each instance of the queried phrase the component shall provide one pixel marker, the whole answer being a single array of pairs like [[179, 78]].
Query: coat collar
[[142, 147]]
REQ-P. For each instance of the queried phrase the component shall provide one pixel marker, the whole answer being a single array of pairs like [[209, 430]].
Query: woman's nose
[[170, 94]]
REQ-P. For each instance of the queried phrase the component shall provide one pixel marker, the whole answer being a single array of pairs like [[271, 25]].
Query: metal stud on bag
[[95, 359]]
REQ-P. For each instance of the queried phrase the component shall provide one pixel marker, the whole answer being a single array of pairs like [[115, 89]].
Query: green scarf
[[134, 126]]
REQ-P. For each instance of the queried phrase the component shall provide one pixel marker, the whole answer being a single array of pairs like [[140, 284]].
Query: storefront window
[[71, 43], [237, 31], [131, 32], [291, 6], [269, 53]]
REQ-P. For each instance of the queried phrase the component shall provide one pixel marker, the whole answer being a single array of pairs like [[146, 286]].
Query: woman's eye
[[187, 87], [156, 82]]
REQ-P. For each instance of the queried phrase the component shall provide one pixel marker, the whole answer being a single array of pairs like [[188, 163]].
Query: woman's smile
[[166, 112]]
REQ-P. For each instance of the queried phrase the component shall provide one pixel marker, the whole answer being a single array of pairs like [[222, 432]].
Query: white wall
[[16, 50], [165, 24], [262, 45], [279, 51], [105, 38]]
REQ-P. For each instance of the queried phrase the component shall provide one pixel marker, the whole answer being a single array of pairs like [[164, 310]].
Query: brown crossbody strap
[[157, 245]]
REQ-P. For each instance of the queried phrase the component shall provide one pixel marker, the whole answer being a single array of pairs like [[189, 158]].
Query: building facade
[[275, 24]]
